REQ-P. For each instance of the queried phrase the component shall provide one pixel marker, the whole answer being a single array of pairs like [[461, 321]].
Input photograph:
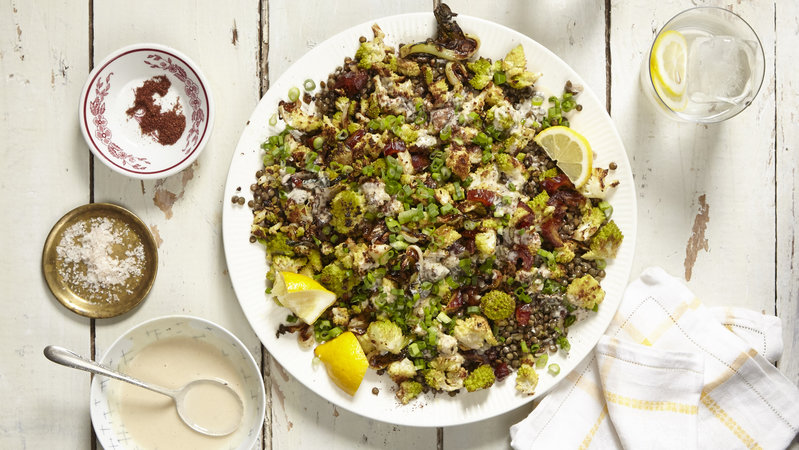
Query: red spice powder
[[165, 127]]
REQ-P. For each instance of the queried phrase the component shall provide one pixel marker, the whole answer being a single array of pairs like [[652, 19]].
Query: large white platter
[[247, 265]]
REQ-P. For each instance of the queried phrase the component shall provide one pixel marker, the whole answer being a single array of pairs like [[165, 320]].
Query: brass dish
[[114, 301]]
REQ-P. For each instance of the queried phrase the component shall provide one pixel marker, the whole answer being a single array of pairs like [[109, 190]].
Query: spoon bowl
[[226, 420]]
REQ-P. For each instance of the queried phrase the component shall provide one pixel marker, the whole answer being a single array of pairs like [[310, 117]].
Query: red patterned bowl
[[136, 142]]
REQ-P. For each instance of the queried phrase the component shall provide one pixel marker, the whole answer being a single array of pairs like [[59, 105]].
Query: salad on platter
[[428, 213]]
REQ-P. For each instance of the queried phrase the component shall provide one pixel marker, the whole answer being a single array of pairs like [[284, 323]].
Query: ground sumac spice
[[165, 127]]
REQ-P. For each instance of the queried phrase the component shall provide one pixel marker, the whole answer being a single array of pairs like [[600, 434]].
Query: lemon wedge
[[303, 295], [344, 360], [668, 64], [570, 150]]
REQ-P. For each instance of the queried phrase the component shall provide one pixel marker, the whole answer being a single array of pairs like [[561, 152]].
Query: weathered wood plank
[[43, 62], [705, 205], [787, 162], [184, 211]]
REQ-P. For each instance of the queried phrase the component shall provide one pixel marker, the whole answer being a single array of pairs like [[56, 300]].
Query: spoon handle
[[71, 359]]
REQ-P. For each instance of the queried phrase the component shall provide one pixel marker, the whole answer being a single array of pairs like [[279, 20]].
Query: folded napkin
[[671, 373]]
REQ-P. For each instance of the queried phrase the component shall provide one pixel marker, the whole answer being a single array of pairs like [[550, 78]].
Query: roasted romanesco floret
[[408, 390], [386, 336], [497, 305], [565, 253], [347, 210], [483, 71], [526, 379], [401, 370], [486, 242], [299, 119], [445, 373], [481, 378], [473, 333], [585, 292], [593, 218], [515, 67], [606, 242], [444, 236], [277, 245], [335, 278], [371, 52]]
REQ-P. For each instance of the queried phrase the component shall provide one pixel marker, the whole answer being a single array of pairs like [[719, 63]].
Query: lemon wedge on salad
[[344, 360], [303, 295], [668, 64], [570, 150]]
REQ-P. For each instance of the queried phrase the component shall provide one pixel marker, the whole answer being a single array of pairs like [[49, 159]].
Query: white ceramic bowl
[[116, 139], [105, 416]]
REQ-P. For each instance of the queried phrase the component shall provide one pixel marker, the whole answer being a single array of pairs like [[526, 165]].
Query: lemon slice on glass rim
[[570, 150], [668, 64], [303, 295]]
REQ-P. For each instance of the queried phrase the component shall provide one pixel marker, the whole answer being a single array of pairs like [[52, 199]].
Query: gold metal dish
[[115, 300]]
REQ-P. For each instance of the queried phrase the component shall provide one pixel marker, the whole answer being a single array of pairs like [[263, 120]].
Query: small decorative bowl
[[116, 138], [106, 418]]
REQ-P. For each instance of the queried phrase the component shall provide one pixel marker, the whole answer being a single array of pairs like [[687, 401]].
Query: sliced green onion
[[499, 78], [554, 369], [473, 310], [309, 85], [443, 318], [524, 347], [294, 94], [538, 100], [446, 209], [606, 208], [273, 120], [343, 134], [541, 362], [446, 133], [601, 264]]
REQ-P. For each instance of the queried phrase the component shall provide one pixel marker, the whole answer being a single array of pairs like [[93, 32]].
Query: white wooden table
[[717, 204]]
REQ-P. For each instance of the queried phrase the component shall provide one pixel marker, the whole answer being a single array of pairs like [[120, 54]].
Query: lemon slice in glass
[[668, 64], [344, 360], [570, 150], [303, 295]]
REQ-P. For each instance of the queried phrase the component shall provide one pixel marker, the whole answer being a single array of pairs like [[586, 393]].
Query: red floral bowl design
[[115, 137]]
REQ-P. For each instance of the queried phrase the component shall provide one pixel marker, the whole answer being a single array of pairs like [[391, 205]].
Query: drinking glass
[[705, 65]]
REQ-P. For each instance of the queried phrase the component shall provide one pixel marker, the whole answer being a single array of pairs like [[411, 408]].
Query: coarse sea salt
[[86, 251]]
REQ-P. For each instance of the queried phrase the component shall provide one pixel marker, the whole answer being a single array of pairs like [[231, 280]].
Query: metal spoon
[[68, 358]]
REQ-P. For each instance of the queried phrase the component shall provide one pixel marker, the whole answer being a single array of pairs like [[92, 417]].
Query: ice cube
[[719, 69]]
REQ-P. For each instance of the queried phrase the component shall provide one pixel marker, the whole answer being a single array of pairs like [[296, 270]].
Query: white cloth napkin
[[671, 373]]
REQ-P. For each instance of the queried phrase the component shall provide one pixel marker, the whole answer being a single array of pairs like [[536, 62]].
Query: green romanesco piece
[[277, 244], [526, 379], [386, 336], [408, 390], [539, 205], [549, 173], [481, 378], [335, 278], [515, 67], [347, 209], [408, 68], [497, 305], [486, 242], [483, 73], [371, 52], [606, 242], [444, 236], [592, 219], [585, 292], [500, 117], [565, 253]]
